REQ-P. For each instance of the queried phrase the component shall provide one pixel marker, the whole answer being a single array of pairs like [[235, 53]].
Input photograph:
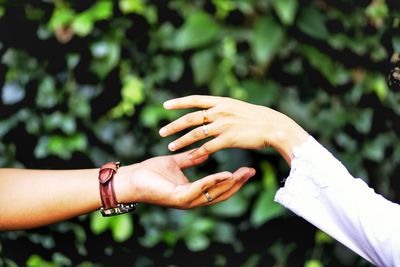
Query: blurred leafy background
[[82, 83]]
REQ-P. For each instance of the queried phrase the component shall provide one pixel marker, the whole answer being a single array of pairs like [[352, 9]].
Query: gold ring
[[209, 198], [205, 129], [205, 116]]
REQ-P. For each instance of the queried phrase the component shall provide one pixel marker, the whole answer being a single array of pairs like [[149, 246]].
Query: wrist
[[123, 183], [287, 136]]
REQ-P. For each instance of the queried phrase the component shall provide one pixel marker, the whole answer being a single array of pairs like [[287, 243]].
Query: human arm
[[321, 190], [318, 189], [33, 198]]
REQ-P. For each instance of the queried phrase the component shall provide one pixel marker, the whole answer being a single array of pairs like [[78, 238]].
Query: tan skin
[[33, 198], [232, 123]]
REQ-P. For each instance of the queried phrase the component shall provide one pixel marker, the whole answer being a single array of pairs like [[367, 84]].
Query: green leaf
[[286, 10], [170, 238], [335, 73], [224, 233], [313, 263], [61, 260], [83, 24], [198, 30], [131, 6], [152, 114], [267, 38], [132, 90], [377, 83], [377, 10], [98, 223], [122, 227], [37, 261], [202, 225], [102, 10], [203, 65], [132, 95], [234, 207], [107, 56], [261, 93], [47, 95], [61, 17], [265, 208], [58, 120], [312, 22], [197, 242], [322, 238], [396, 43], [61, 146]]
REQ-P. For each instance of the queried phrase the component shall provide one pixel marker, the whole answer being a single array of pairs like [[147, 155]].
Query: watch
[[110, 206]]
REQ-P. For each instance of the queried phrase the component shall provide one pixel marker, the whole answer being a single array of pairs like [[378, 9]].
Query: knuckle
[[206, 148], [195, 134]]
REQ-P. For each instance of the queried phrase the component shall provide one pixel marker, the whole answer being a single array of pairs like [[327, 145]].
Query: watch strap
[[110, 205], [106, 182]]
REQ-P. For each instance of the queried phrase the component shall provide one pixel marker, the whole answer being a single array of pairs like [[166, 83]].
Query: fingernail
[[190, 156], [167, 104], [163, 132], [251, 172], [171, 146]]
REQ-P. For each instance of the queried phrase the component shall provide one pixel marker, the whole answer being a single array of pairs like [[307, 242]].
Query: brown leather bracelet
[[108, 199]]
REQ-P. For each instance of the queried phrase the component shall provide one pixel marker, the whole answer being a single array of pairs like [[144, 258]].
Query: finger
[[194, 135], [238, 185], [208, 148], [193, 101], [225, 189], [184, 161], [199, 186], [184, 122], [214, 192]]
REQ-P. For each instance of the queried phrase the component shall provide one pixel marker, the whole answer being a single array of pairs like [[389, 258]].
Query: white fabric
[[321, 190]]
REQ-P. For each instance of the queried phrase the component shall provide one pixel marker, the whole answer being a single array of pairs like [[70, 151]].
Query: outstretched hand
[[231, 123], [161, 181]]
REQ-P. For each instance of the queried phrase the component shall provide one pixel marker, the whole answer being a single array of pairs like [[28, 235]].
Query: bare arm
[[33, 198]]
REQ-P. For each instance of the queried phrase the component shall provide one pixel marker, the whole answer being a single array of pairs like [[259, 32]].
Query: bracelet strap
[[108, 199]]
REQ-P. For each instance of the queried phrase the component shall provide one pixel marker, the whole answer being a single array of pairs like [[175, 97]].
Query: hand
[[233, 123], [160, 181]]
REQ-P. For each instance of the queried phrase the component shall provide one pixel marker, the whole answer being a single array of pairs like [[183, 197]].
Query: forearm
[[32, 198], [322, 191]]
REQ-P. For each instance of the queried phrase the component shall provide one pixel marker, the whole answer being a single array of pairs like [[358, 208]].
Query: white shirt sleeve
[[321, 190]]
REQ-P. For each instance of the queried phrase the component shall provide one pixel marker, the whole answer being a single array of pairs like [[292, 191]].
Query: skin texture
[[232, 123], [33, 198]]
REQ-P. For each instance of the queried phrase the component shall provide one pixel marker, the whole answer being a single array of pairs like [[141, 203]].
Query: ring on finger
[[205, 129], [205, 116], [207, 195]]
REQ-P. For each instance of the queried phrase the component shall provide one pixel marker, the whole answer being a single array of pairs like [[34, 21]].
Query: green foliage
[[267, 39], [120, 226], [265, 208], [198, 30], [82, 75]]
